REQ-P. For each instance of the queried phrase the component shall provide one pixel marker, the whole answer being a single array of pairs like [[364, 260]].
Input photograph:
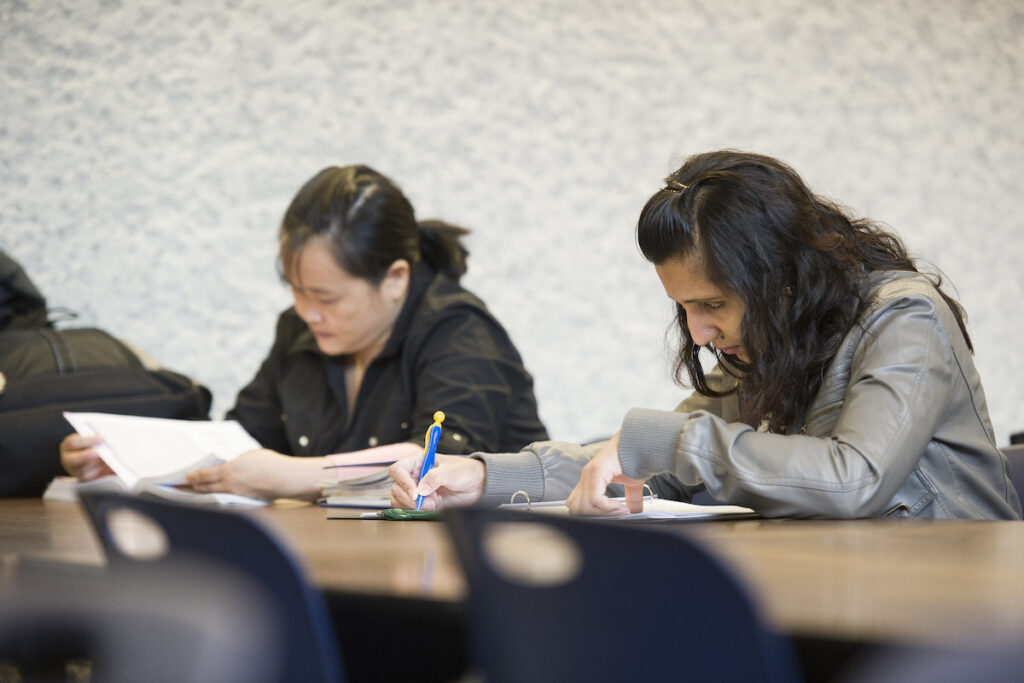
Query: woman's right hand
[[80, 459], [452, 482]]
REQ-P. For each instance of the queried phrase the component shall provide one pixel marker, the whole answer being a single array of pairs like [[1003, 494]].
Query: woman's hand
[[80, 459], [453, 481], [263, 474], [590, 495]]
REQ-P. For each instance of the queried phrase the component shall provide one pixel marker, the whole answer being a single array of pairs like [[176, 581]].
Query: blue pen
[[429, 450]]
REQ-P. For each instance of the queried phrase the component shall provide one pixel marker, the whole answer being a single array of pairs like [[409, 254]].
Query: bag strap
[[61, 354]]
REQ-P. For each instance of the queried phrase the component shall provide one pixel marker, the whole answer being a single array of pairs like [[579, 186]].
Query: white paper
[[654, 508], [67, 489], [142, 450]]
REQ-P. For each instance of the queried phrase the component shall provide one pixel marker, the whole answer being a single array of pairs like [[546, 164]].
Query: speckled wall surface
[[149, 148]]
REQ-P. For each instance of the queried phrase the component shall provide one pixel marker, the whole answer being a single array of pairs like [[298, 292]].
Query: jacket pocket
[[915, 496]]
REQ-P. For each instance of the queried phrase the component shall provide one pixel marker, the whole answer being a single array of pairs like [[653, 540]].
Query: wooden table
[[891, 581]]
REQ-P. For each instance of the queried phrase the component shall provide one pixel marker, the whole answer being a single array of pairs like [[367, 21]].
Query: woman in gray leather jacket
[[844, 384]]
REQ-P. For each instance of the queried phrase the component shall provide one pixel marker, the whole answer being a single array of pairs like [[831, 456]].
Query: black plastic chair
[[642, 603], [241, 543]]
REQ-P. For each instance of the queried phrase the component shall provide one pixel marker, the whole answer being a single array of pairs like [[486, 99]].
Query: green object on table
[[409, 515]]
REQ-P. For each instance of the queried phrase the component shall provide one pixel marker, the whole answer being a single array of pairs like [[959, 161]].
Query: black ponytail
[[441, 246]]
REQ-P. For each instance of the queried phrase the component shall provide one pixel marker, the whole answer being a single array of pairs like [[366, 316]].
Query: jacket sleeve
[[900, 376], [546, 470], [468, 368]]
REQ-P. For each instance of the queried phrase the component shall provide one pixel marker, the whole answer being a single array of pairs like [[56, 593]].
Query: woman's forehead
[[313, 266]]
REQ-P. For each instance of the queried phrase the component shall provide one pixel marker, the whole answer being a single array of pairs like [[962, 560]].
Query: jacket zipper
[[818, 413]]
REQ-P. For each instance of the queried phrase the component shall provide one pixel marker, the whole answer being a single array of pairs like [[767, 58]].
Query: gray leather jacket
[[899, 427]]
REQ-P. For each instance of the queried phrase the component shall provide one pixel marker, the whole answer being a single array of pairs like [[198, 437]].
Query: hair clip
[[675, 186]]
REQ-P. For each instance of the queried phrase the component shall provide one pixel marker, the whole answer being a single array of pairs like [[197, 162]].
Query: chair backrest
[[1015, 456], [137, 624], [242, 543], [643, 603]]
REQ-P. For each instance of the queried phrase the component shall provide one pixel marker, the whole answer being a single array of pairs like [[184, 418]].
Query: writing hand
[[454, 481]]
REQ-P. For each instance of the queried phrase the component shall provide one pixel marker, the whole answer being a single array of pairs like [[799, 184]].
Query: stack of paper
[[360, 479], [368, 491], [152, 456]]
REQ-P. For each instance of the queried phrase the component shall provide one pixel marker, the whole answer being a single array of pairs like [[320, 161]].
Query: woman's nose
[[308, 313], [702, 334]]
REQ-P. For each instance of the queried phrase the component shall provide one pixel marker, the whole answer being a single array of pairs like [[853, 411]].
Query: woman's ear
[[396, 280]]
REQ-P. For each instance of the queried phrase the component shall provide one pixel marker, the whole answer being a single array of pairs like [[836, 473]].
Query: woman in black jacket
[[381, 336]]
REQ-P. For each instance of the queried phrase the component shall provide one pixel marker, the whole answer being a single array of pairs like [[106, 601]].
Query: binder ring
[[525, 495]]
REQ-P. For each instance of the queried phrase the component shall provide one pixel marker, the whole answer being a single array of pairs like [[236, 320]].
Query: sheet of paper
[[67, 489], [148, 449], [377, 483], [654, 508], [195, 497]]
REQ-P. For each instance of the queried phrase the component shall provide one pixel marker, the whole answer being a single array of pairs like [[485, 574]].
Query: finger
[[432, 502], [77, 442], [80, 459], [601, 504], [404, 499], [94, 470], [401, 498], [432, 481], [402, 472], [590, 498], [404, 478], [80, 463], [634, 496], [205, 476]]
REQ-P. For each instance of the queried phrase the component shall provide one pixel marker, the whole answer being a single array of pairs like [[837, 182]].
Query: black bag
[[45, 371]]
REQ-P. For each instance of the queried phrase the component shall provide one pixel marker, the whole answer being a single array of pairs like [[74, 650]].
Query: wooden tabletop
[[891, 581]]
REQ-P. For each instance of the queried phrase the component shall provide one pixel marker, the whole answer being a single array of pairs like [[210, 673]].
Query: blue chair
[[240, 542], [641, 603]]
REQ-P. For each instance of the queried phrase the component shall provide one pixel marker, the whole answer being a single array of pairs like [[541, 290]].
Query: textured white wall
[[149, 148]]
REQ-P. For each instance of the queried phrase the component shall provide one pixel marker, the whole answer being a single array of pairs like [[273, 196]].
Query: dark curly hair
[[796, 260]]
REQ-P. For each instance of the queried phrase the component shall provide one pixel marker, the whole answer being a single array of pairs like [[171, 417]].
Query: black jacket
[[446, 352]]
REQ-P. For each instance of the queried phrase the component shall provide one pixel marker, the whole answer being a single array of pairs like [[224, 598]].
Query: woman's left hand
[[262, 473], [590, 496]]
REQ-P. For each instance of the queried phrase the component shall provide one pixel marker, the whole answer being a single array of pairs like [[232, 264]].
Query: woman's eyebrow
[[314, 288]]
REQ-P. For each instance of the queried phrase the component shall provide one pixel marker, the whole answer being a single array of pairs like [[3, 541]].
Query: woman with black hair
[[844, 383], [381, 336]]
